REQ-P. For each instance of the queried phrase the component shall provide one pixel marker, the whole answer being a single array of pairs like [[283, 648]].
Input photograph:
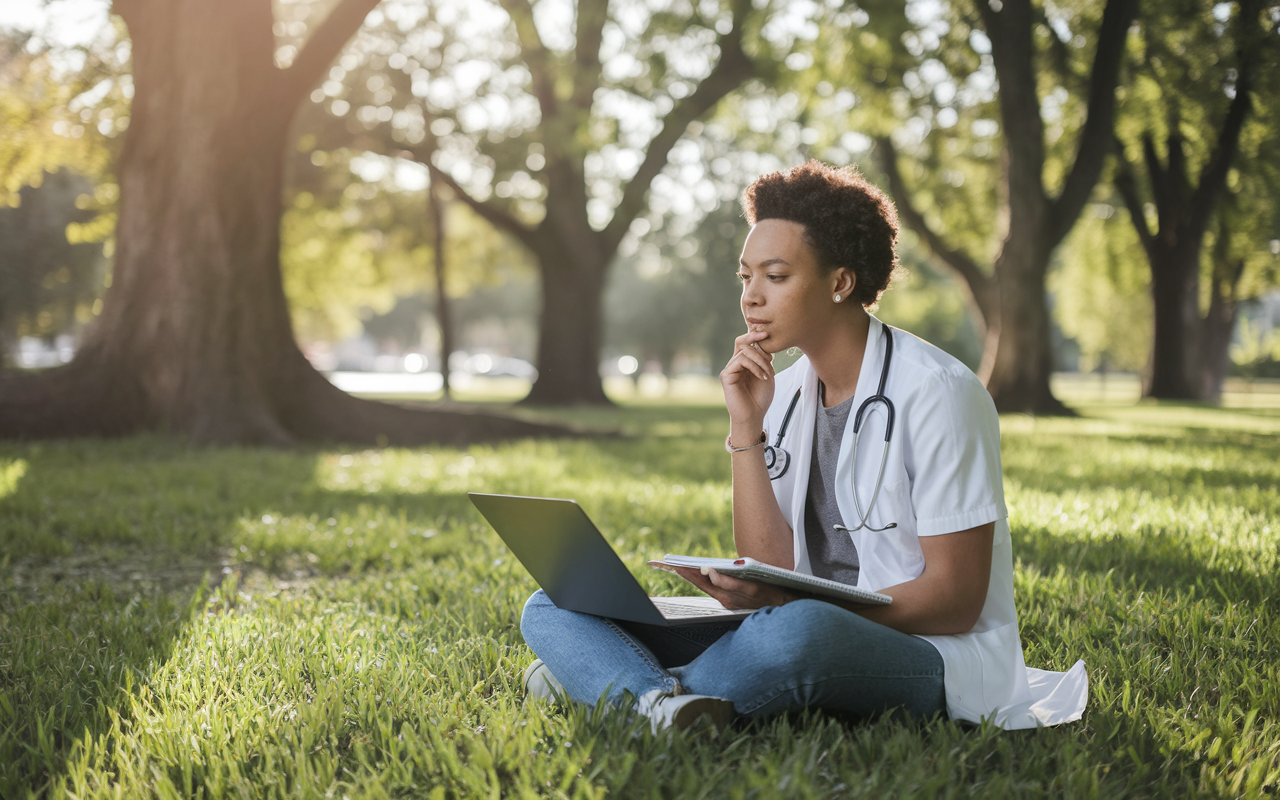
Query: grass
[[177, 622]]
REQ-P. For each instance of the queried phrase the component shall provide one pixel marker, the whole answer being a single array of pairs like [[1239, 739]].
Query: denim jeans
[[807, 653]]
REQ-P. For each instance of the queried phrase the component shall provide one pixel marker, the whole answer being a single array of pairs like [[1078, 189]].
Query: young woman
[[874, 460]]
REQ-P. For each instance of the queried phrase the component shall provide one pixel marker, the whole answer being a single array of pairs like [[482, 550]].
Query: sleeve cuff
[[963, 521]]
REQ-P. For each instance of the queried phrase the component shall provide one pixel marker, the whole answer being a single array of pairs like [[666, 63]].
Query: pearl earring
[[837, 298]]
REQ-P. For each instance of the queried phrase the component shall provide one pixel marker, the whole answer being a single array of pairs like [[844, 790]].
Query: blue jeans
[[807, 653]]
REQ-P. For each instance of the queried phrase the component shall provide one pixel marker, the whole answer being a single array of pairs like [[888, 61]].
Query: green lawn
[[339, 623]]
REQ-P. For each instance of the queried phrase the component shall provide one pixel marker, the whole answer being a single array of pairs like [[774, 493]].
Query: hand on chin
[[772, 345]]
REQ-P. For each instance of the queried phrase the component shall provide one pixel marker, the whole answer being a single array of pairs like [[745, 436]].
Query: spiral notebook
[[750, 569]]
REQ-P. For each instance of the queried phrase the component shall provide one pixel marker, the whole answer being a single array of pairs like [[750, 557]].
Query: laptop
[[569, 558]]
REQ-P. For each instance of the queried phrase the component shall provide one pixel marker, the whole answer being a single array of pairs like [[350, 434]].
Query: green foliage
[[32, 100], [352, 247], [335, 269], [924, 74], [1100, 290], [48, 284], [180, 622], [676, 294], [1256, 353], [62, 109], [1246, 238], [932, 307], [61, 113], [454, 83]]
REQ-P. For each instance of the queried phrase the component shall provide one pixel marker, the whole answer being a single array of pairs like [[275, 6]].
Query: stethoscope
[[778, 460]]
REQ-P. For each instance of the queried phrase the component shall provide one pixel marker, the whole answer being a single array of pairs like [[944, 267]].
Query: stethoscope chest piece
[[776, 460]]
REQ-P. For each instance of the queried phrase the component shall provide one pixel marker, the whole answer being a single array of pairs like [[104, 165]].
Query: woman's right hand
[[747, 381]]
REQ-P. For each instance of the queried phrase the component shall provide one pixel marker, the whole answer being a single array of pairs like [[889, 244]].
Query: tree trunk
[[570, 332], [1017, 359], [1216, 348], [1177, 334], [1220, 321], [195, 337], [444, 309]]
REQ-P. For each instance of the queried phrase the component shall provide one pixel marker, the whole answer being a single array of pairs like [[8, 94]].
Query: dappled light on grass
[[358, 631], [10, 473]]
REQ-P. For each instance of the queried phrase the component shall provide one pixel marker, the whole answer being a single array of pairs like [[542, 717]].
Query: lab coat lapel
[[868, 382], [807, 410], [801, 451]]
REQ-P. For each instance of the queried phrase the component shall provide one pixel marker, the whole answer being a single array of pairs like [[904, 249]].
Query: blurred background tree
[[1203, 73], [1042, 78], [1100, 286], [551, 122], [61, 112], [195, 336], [48, 285]]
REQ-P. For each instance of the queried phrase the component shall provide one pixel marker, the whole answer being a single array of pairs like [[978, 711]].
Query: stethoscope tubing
[[779, 460]]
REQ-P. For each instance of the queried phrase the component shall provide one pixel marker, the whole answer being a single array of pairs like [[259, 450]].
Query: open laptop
[[565, 553]]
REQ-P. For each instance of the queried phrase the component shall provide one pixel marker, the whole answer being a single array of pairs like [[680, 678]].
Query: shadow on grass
[[1199, 453], [813, 753], [103, 567], [1158, 561], [70, 652]]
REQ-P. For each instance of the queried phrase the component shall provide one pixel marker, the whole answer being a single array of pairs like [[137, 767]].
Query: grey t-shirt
[[831, 552]]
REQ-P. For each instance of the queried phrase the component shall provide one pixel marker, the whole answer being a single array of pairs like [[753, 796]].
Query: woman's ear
[[844, 281]]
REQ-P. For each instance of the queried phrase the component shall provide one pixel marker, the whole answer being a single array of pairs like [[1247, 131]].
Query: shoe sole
[[718, 712], [539, 682]]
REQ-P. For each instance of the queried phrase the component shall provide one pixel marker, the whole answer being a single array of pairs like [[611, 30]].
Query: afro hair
[[847, 221]]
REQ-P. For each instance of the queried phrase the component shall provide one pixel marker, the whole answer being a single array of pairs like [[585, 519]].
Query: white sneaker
[[540, 683], [683, 710]]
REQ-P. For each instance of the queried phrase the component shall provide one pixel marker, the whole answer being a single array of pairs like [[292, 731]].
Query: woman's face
[[785, 293]]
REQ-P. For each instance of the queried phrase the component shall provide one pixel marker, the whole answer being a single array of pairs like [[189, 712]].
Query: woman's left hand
[[735, 593]]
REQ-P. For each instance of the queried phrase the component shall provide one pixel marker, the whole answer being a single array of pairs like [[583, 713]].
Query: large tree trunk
[[1017, 360], [573, 260], [570, 332], [195, 337], [1177, 334]]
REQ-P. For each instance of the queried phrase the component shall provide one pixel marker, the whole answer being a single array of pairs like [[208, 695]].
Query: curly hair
[[847, 221]]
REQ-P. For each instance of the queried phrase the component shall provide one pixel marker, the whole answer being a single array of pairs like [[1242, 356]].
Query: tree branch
[[489, 211], [536, 56], [1127, 185], [980, 285], [1213, 175], [1157, 175], [592, 15], [1096, 136], [990, 17], [733, 68], [1013, 54], [1059, 54], [321, 48]]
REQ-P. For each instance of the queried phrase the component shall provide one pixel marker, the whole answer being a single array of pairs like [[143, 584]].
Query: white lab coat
[[943, 475]]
